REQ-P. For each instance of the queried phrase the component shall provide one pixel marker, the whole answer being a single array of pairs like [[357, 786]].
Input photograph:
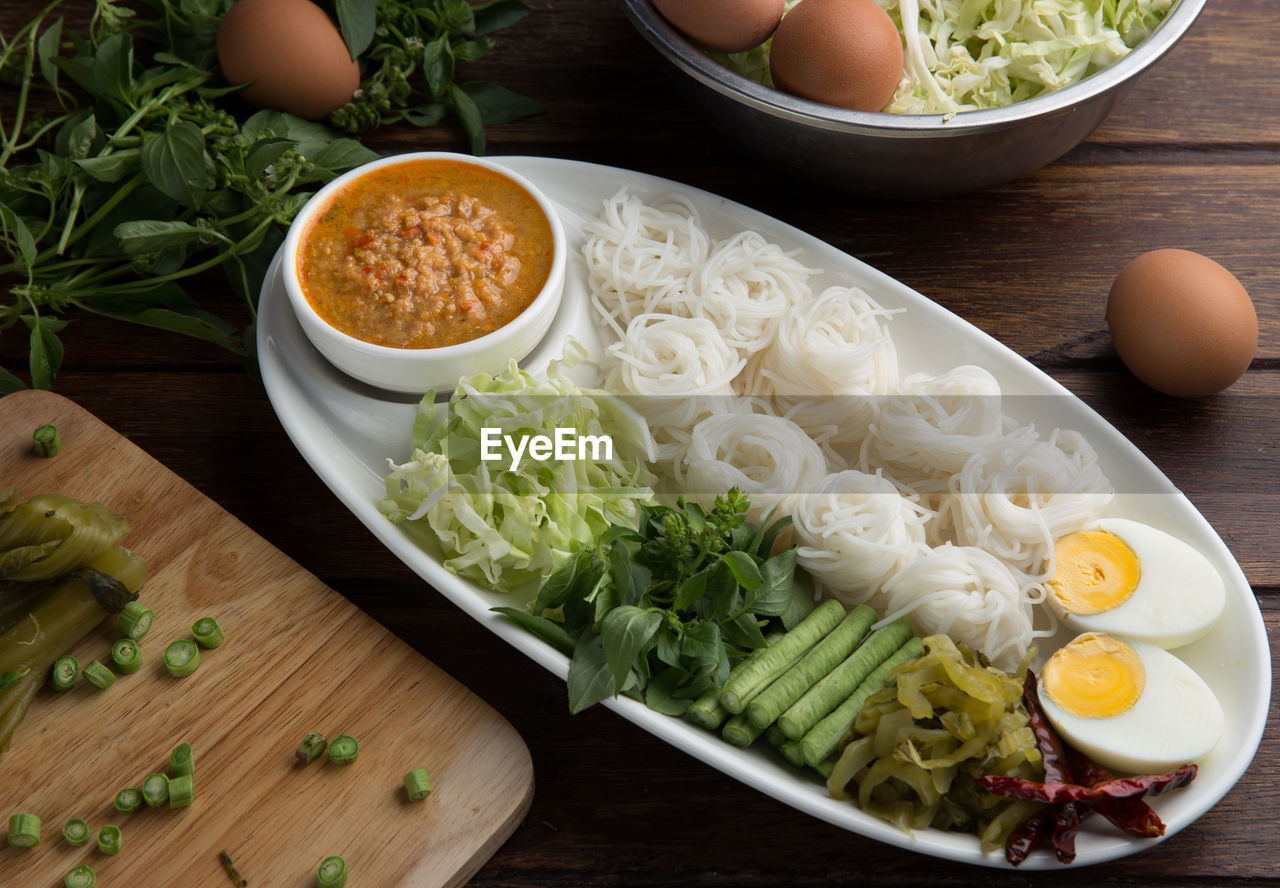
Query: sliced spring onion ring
[[128, 800], [110, 838], [76, 831], [343, 749], [311, 748], [46, 440], [126, 655], [155, 790], [80, 877], [181, 657], [98, 675], [207, 632], [332, 873], [181, 791], [182, 761], [65, 672], [417, 783], [24, 830], [135, 620]]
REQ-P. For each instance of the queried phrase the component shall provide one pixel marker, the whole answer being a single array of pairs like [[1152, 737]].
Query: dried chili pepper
[[1060, 793], [1134, 816]]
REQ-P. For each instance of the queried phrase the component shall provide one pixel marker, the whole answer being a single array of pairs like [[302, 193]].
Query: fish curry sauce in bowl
[[415, 270]]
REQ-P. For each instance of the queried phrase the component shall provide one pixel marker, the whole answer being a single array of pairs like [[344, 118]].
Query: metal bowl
[[879, 154]]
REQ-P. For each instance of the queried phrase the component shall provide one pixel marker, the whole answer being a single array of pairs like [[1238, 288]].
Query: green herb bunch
[[410, 48], [662, 612]]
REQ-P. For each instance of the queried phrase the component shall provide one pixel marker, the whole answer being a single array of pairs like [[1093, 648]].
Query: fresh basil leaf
[[343, 154], [469, 115], [627, 634], [690, 592], [590, 680], [111, 167], [664, 694], [604, 598], [264, 153], [10, 383], [112, 69], [425, 115], [703, 646], [45, 358], [801, 603], [497, 14], [456, 15], [167, 307], [498, 104], [16, 229], [471, 50], [154, 235], [668, 644], [557, 588], [723, 596], [47, 49], [437, 67], [744, 569], [357, 21], [743, 631], [769, 536], [174, 161], [549, 631], [773, 597], [309, 136]]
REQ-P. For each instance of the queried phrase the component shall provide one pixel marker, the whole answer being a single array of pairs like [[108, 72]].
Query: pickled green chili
[[207, 632], [66, 670], [182, 761], [126, 655], [417, 783], [76, 831], [332, 873], [110, 838], [98, 675], [128, 800], [24, 830], [311, 748], [155, 790], [46, 441], [181, 657], [81, 876], [135, 620], [181, 791], [343, 749]]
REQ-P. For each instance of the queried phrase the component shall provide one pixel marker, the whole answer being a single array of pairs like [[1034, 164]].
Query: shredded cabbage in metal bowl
[[971, 54]]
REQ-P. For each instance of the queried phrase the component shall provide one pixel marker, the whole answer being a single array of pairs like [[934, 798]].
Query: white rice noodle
[[769, 458], [969, 595], [746, 286], [1015, 498], [640, 257], [856, 532]]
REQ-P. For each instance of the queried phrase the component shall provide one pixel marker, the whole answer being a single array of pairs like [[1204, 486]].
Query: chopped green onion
[[76, 831], [65, 672], [127, 656], [46, 440], [207, 632], [98, 675], [181, 657], [24, 830], [332, 873], [155, 790], [182, 761], [109, 839], [181, 791], [128, 800], [135, 620], [311, 748], [80, 877], [417, 783], [343, 749]]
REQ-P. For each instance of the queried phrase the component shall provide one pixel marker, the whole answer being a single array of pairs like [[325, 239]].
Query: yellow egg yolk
[[1095, 676], [1095, 571]]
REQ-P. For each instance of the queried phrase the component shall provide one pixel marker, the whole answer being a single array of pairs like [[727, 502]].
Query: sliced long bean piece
[[24, 830], [181, 791], [311, 747], [343, 749], [128, 800], [76, 831], [110, 838], [332, 873], [207, 632], [155, 790], [98, 675], [135, 620], [66, 670], [181, 657], [81, 876], [417, 784], [126, 655], [182, 761]]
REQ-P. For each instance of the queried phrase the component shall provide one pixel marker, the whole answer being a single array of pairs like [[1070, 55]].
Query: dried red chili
[[1059, 793]]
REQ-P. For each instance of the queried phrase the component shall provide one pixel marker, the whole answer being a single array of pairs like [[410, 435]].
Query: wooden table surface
[[1189, 158]]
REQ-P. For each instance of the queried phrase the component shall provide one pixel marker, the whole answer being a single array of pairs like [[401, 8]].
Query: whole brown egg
[[290, 54], [1182, 323], [723, 25], [846, 53]]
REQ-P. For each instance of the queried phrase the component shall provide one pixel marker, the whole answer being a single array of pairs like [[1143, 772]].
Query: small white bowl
[[417, 370]]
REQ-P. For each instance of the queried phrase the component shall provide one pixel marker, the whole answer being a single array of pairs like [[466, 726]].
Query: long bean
[[778, 656]]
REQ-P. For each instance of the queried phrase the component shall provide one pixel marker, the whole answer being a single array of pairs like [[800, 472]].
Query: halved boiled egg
[[1129, 705], [1127, 578]]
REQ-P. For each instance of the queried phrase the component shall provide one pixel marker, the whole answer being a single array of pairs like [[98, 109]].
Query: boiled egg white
[[1130, 579], [1128, 705]]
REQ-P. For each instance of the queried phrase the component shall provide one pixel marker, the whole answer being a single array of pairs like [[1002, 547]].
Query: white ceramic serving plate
[[346, 431]]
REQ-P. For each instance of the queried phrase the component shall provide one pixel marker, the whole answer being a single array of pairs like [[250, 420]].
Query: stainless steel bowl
[[895, 155]]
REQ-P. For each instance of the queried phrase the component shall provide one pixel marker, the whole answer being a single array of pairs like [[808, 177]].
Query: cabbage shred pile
[[965, 55]]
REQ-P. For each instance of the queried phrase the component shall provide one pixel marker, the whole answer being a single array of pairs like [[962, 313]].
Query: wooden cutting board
[[298, 658]]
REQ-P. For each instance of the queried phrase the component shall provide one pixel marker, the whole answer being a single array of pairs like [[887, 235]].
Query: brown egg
[[290, 53], [723, 25], [1182, 323], [846, 53]]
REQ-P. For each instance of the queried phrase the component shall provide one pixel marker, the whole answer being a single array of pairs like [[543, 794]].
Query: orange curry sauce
[[424, 254]]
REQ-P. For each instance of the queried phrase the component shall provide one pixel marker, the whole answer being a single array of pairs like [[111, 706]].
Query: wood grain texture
[[298, 658]]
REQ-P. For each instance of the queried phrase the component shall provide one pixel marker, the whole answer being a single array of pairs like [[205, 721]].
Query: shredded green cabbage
[[509, 528], [970, 54]]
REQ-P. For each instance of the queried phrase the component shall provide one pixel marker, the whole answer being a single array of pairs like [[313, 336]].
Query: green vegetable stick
[[741, 731], [706, 711], [24, 830], [46, 441], [824, 737], [417, 784], [182, 761], [809, 669], [778, 656], [81, 876], [836, 686]]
